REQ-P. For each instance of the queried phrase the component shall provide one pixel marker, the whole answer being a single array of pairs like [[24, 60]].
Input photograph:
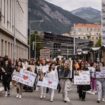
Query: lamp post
[[74, 42], [74, 46]]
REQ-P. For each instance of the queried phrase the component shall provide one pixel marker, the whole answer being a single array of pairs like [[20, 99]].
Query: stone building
[[64, 45], [86, 31], [13, 28]]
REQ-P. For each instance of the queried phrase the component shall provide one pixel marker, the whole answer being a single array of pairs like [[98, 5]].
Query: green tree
[[98, 44], [36, 43]]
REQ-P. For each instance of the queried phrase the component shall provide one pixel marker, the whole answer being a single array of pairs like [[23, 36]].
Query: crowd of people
[[59, 69]]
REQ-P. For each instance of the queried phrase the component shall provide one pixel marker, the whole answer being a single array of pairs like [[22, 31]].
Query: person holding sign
[[18, 85], [43, 71], [52, 74], [100, 83], [82, 88]]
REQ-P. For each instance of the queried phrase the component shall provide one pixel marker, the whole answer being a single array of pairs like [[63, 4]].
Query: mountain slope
[[56, 19], [90, 14]]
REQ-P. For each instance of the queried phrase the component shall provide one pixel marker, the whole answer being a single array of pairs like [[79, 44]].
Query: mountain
[[90, 14], [56, 19]]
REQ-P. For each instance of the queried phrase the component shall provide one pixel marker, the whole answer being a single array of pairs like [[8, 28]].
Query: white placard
[[82, 78], [45, 53], [48, 82], [25, 77]]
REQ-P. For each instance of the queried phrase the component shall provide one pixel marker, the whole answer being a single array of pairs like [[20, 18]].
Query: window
[[2, 48], [5, 47], [7, 12], [92, 38], [97, 38], [10, 15]]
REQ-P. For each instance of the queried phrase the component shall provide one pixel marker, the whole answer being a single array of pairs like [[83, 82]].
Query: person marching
[[65, 80], [42, 72], [52, 73], [19, 86], [100, 85], [6, 70], [92, 70], [81, 89]]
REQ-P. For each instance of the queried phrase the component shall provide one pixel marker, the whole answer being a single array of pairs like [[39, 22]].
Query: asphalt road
[[32, 98]]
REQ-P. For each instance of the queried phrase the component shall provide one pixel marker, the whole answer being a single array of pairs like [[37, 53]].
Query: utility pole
[[74, 43]]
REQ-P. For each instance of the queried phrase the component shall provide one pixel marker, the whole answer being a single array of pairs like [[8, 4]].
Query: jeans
[[42, 91], [101, 89], [19, 88], [65, 87]]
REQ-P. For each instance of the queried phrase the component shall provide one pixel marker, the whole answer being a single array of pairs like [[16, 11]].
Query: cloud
[[74, 4]]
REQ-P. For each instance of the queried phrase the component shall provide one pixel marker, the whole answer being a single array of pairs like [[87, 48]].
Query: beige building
[[103, 22], [86, 31], [14, 28], [103, 30]]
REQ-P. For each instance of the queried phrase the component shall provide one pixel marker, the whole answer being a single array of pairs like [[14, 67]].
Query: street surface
[[32, 98]]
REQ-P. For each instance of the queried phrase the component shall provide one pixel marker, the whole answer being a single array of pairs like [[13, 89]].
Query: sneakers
[[51, 100], [42, 96], [92, 92], [6, 94], [103, 99], [98, 101], [18, 96], [67, 100]]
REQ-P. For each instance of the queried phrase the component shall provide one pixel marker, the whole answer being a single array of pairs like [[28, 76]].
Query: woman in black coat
[[6, 70]]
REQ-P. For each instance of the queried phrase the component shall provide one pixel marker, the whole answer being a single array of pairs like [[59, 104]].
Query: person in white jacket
[[52, 74], [43, 71]]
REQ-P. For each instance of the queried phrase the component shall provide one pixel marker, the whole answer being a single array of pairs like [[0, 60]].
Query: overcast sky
[[74, 4]]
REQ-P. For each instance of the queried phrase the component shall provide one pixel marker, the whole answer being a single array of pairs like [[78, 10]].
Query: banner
[[101, 73], [82, 78], [25, 77], [45, 53], [48, 82]]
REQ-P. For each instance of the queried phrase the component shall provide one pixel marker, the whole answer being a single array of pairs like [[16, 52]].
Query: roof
[[80, 25]]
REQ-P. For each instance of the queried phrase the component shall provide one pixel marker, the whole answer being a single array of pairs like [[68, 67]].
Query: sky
[[74, 4]]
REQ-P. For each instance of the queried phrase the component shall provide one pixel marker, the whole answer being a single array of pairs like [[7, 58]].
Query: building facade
[[13, 28], [63, 45], [103, 22], [103, 30], [86, 31]]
